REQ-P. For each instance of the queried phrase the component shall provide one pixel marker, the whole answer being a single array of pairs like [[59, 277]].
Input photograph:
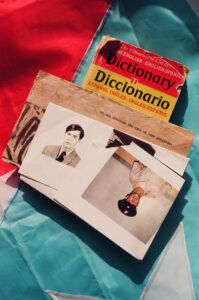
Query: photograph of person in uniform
[[144, 182], [128, 205], [66, 153], [130, 190]]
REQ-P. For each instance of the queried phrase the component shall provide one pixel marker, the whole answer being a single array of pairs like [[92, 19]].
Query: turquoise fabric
[[40, 251], [43, 247], [61, 296]]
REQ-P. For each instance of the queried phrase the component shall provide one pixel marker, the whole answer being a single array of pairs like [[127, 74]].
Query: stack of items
[[115, 167]]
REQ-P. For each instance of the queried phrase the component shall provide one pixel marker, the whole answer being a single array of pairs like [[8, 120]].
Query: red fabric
[[40, 34]]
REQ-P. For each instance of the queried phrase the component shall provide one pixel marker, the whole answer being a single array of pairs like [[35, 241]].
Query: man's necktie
[[61, 156]]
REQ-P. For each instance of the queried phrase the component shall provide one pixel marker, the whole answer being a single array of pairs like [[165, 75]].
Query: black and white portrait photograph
[[59, 147], [66, 153]]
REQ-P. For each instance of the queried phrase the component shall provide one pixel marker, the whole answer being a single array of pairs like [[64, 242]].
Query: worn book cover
[[49, 88], [136, 77]]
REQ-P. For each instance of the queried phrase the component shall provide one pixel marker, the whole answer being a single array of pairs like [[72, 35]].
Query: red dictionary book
[[136, 77]]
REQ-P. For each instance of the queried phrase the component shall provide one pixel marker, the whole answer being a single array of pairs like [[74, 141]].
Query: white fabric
[[172, 277]]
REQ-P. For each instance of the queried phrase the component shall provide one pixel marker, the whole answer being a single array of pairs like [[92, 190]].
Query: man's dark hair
[[76, 127]]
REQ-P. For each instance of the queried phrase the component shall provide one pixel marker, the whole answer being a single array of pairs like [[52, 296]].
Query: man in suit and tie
[[66, 153]]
